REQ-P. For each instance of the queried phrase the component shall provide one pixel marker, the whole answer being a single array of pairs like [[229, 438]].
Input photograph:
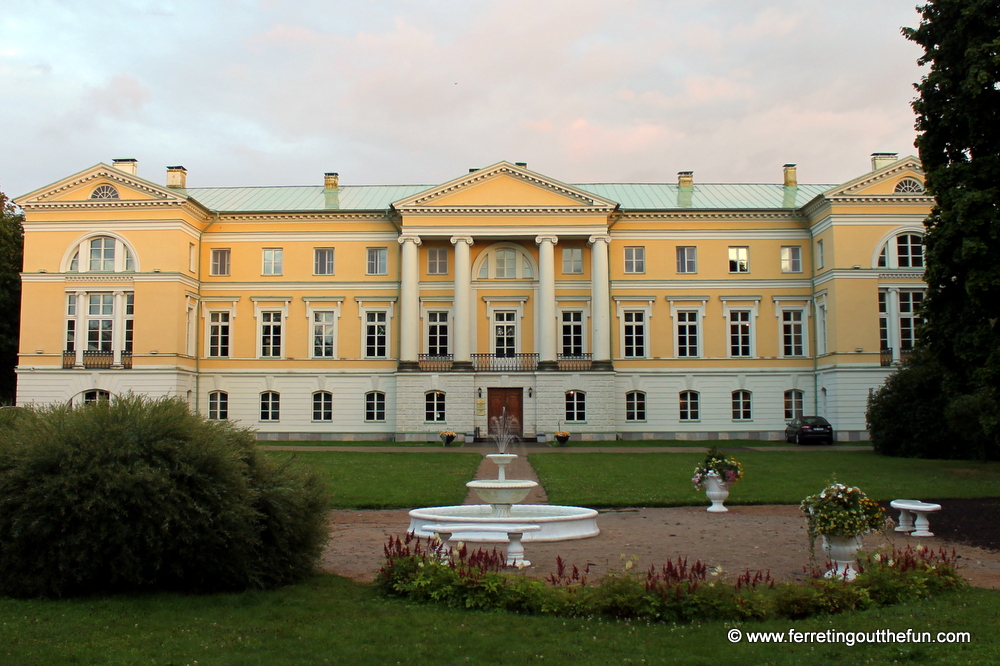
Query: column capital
[[468, 240], [551, 238], [596, 238], [409, 238]]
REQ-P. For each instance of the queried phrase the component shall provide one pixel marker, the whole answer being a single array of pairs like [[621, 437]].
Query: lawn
[[333, 620], [664, 479], [360, 480]]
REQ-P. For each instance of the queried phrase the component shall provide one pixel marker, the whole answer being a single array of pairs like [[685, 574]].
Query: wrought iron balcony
[[435, 362], [96, 359], [885, 357], [511, 363], [575, 362]]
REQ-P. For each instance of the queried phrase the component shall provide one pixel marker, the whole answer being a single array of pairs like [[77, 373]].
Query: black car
[[804, 429]]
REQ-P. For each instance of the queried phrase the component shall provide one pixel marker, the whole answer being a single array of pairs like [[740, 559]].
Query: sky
[[277, 92]]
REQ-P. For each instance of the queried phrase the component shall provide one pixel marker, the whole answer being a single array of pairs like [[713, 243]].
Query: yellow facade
[[341, 312]]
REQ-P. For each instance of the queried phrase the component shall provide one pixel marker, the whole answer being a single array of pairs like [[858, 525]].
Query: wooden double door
[[506, 400]]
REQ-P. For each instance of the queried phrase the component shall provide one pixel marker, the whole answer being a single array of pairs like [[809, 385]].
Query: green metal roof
[[631, 196]]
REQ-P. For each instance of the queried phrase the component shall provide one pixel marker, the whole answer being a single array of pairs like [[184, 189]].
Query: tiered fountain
[[557, 523]]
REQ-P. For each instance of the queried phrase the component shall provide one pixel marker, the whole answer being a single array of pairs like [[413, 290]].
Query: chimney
[[473, 169], [880, 160], [791, 177], [523, 165], [685, 178], [331, 180], [177, 177], [126, 164]]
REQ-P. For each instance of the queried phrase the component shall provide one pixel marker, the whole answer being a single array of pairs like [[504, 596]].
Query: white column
[[409, 309], [547, 303], [118, 333], [81, 326], [462, 340], [600, 291]]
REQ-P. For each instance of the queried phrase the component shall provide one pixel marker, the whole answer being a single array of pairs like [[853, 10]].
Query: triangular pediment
[[504, 187], [78, 190], [883, 182]]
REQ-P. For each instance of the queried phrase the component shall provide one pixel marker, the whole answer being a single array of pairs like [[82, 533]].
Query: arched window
[[689, 404], [101, 253], [374, 406], [741, 406], [95, 396], [909, 186], [635, 406], [270, 406], [793, 404], [104, 192], [903, 251], [322, 406], [434, 406], [507, 262], [218, 405], [576, 406]]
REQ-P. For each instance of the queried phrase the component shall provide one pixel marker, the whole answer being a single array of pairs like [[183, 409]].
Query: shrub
[[138, 494]]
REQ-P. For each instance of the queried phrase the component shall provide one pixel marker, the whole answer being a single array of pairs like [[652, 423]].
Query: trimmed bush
[[906, 416], [138, 495]]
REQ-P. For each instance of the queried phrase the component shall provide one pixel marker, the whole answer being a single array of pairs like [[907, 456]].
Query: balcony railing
[[575, 362], [512, 363], [95, 359], [436, 362], [905, 356], [885, 357]]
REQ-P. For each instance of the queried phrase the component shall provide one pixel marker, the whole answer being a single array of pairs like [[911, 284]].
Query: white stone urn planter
[[842, 551], [717, 491]]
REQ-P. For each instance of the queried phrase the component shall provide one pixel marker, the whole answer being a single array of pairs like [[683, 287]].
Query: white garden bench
[[910, 508], [513, 531]]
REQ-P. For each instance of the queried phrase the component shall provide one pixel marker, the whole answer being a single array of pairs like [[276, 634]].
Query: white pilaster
[[547, 302], [118, 332], [81, 326], [409, 309], [462, 342], [600, 289]]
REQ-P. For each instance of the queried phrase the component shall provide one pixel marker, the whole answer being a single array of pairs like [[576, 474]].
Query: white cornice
[[735, 214], [688, 285], [113, 225], [710, 234], [866, 274], [90, 278], [506, 210], [299, 236], [505, 230], [340, 287], [305, 216]]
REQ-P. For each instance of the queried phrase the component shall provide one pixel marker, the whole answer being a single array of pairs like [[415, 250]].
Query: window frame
[[322, 409], [689, 406], [742, 405], [375, 407], [687, 259], [377, 261], [578, 329], [783, 334], [435, 407], [739, 265], [228, 323], [635, 260], [732, 306], [794, 404], [437, 260], [435, 313], [270, 406], [791, 258], [576, 406], [635, 406], [572, 258], [326, 263], [217, 266], [218, 405], [125, 260], [272, 261]]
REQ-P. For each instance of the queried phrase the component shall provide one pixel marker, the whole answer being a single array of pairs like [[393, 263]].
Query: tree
[[958, 124], [11, 253]]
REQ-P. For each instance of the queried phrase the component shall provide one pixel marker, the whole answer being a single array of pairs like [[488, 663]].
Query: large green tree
[[958, 120], [11, 249]]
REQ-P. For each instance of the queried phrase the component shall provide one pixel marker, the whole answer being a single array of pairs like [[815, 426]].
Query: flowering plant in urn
[[727, 469], [842, 511], [447, 436]]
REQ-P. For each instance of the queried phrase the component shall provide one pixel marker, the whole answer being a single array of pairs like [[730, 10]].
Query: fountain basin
[[496, 491], [557, 523]]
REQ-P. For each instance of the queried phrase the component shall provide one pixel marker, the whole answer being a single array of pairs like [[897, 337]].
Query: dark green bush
[[138, 494], [906, 416]]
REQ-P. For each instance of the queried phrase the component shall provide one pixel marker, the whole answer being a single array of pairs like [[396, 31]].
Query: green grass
[[360, 480], [366, 444], [650, 479], [333, 620], [680, 443]]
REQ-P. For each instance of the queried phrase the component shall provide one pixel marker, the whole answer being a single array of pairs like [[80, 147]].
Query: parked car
[[803, 429]]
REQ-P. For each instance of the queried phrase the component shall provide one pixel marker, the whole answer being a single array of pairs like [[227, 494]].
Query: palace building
[[343, 312]]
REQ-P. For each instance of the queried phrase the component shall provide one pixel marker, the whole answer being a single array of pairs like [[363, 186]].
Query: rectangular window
[[635, 334], [792, 338], [883, 319], [192, 258], [102, 254], [324, 327], [793, 404], [821, 328], [739, 260], [689, 405], [220, 262], [572, 333], [270, 406], [505, 333], [322, 406], [270, 334], [739, 333], [572, 260], [378, 261], [909, 303], [375, 406], [272, 261], [635, 260], [687, 333], [434, 407], [218, 334], [437, 333], [506, 263], [376, 334], [741, 406], [218, 405], [71, 323], [129, 321], [635, 406], [323, 261], [100, 322], [437, 261], [820, 255], [576, 406], [791, 259], [687, 259]]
